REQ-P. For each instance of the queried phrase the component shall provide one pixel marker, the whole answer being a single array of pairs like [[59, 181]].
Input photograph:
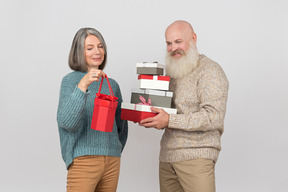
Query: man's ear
[[194, 38]]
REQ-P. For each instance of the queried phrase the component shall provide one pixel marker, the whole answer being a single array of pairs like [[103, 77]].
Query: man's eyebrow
[[174, 40]]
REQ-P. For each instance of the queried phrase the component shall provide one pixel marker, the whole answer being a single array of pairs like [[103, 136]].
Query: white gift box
[[154, 82]]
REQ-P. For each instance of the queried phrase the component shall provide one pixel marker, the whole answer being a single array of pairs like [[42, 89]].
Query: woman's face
[[94, 52]]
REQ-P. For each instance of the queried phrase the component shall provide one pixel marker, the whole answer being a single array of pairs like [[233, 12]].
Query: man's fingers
[[148, 125], [156, 110], [147, 120]]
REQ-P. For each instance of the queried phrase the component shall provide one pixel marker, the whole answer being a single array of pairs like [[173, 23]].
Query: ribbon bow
[[106, 97], [144, 101]]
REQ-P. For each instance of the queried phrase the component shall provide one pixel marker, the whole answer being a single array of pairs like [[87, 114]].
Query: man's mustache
[[177, 51]]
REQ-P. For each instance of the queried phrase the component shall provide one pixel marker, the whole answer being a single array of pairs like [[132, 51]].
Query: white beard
[[179, 67]]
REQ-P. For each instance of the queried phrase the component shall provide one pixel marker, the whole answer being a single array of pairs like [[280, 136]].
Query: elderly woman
[[92, 157]]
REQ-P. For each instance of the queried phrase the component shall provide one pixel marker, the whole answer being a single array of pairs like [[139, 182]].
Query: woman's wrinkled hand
[[90, 77]]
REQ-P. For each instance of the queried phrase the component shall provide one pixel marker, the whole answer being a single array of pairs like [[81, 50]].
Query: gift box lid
[[145, 108], [152, 92], [154, 77], [148, 64]]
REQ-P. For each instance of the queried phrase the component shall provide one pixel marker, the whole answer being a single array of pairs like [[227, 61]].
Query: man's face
[[178, 41]]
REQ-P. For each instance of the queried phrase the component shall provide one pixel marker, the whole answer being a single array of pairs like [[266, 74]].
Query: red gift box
[[104, 110], [154, 77], [138, 112], [132, 112]]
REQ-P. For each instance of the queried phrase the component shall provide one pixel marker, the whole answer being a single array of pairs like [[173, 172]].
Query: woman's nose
[[97, 50]]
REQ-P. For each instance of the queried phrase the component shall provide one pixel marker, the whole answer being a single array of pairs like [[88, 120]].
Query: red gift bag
[[104, 110]]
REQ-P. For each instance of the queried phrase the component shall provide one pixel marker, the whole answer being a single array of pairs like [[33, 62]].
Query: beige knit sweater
[[200, 98]]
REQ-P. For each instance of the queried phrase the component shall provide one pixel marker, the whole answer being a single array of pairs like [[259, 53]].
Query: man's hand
[[160, 121]]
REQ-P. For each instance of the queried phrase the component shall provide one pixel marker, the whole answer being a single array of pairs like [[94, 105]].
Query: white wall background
[[247, 38]]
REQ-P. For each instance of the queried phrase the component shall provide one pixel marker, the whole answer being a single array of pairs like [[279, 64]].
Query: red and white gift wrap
[[153, 82], [138, 112]]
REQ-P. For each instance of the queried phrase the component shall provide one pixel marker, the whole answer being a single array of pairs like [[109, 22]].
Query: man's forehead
[[175, 35]]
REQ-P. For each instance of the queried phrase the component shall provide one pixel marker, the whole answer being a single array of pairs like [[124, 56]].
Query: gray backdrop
[[247, 38]]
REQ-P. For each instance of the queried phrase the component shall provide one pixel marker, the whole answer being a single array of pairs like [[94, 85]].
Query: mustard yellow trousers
[[187, 176], [93, 174]]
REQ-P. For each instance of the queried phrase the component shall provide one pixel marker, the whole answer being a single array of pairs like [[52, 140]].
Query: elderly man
[[190, 144]]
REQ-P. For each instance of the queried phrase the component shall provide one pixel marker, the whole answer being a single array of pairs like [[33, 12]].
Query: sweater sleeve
[[122, 125], [71, 105], [213, 92]]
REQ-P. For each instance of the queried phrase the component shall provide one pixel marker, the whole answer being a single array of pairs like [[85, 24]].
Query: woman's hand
[[90, 77]]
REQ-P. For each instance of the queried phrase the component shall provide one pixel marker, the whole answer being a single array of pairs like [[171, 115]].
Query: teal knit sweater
[[74, 117]]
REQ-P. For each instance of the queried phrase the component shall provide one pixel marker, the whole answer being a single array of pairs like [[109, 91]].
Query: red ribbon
[[106, 97]]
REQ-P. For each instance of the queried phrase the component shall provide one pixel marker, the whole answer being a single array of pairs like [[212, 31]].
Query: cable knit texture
[[200, 98], [74, 118]]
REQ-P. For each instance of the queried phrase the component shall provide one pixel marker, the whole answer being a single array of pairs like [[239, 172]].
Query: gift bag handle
[[109, 86]]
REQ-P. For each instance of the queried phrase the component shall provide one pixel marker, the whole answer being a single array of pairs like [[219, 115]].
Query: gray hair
[[77, 60]]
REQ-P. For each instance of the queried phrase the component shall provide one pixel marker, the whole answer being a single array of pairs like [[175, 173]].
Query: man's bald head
[[182, 26]]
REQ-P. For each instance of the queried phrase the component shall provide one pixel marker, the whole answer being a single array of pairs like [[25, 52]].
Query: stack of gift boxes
[[152, 91]]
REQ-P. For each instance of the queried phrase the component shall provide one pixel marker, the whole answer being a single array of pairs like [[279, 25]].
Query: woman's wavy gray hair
[[77, 60]]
